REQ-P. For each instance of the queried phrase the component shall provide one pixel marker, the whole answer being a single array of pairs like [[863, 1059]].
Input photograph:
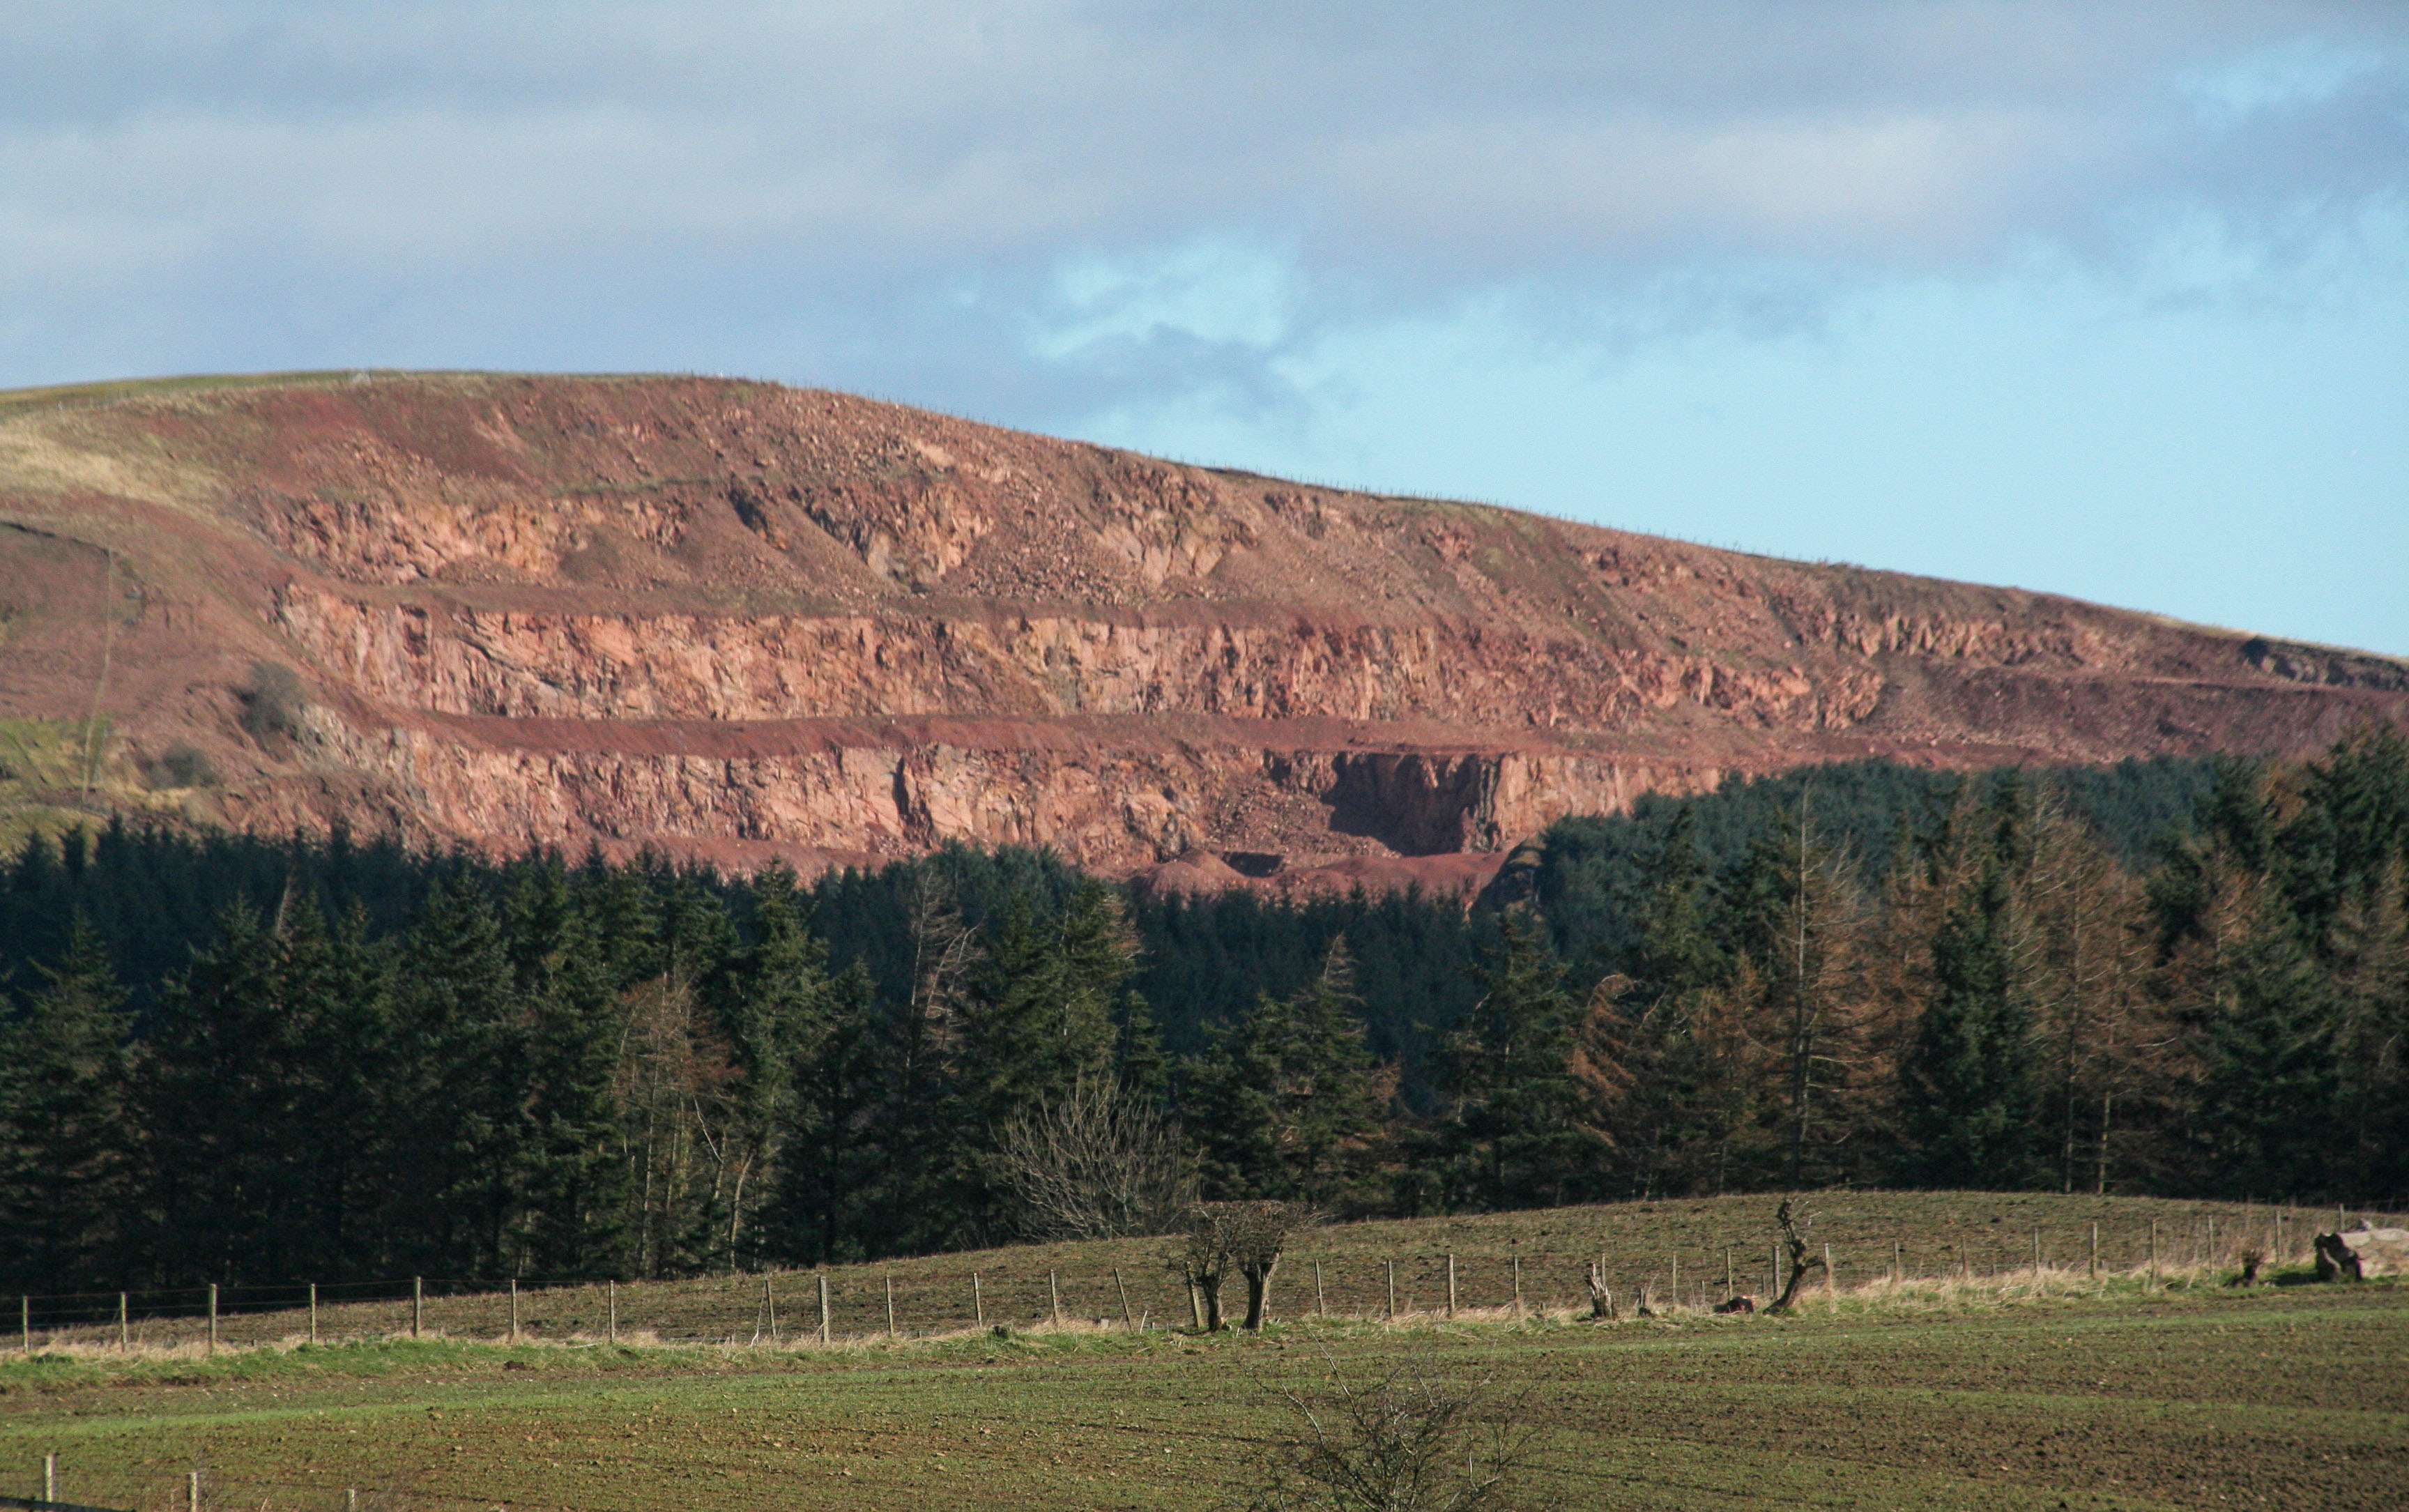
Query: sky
[[2104, 299]]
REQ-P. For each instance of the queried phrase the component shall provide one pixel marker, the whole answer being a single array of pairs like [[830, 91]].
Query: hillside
[[738, 621]]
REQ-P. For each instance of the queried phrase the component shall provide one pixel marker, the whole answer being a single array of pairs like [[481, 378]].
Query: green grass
[[2282, 1397]]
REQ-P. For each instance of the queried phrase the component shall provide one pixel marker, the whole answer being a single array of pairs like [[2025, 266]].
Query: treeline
[[236, 1060]]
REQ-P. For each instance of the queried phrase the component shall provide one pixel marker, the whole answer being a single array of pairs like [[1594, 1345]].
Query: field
[[2015, 1389]]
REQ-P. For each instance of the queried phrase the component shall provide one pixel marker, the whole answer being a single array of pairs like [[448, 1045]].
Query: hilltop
[[738, 621]]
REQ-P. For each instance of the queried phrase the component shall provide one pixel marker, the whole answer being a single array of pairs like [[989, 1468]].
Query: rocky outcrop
[[741, 621]]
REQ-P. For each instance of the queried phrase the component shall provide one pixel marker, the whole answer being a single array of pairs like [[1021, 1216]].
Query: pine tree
[[65, 1156]]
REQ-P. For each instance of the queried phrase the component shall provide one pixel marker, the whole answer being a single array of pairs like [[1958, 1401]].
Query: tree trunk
[[1259, 1292], [1208, 1287]]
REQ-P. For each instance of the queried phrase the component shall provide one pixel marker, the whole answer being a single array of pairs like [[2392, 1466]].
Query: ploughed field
[[1976, 1390]]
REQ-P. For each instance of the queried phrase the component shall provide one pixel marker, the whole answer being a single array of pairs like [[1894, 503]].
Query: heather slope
[[739, 620]]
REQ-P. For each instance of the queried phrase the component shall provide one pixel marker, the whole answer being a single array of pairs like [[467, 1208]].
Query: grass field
[[1996, 1391]]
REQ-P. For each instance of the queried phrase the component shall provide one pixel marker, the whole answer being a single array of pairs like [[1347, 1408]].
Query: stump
[[2362, 1254], [1742, 1303]]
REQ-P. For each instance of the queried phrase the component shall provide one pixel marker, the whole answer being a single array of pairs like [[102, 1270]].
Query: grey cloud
[[592, 183]]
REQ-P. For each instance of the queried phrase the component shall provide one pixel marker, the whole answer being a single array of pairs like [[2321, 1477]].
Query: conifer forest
[[243, 1059]]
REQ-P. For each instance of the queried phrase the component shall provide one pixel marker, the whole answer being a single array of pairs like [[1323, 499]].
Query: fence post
[[417, 1304], [1320, 1309], [1894, 1277], [1518, 1286], [978, 1302], [1727, 1272], [313, 1312], [1392, 1289], [1831, 1277], [612, 1293], [1773, 1274], [515, 1309], [2036, 1256], [2153, 1252], [1124, 1291], [1676, 1287], [214, 1337], [26, 1321], [193, 1492], [49, 1478], [125, 1333], [1053, 1289], [1451, 1283], [890, 1305], [824, 1308], [2095, 1251]]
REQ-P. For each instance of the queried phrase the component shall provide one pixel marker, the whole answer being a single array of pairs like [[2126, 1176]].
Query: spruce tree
[[1286, 1100], [1521, 1127], [1968, 1085], [65, 1154]]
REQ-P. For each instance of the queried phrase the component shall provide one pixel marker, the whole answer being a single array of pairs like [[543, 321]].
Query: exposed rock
[[739, 621]]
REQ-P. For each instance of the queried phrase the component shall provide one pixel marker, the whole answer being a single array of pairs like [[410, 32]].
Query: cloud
[[1044, 198]]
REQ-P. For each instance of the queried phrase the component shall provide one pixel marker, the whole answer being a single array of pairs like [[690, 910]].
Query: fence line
[[868, 1302]]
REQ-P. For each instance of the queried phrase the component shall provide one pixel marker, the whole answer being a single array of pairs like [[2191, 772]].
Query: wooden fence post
[[890, 1305], [2153, 1252], [2095, 1251], [1894, 1277], [1676, 1287], [124, 1333], [213, 1334], [1727, 1274], [1831, 1277], [1320, 1309], [1124, 1291], [193, 1492], [25, 1322], [1053, 1289], [824, 1308], [613, 1285], [769, 1305], [978, 1302], [514, 1307], [1518, 1286], [1773, 1274], [49, 1478], [1451, 1283], [1392, 1289], [417, 1303]]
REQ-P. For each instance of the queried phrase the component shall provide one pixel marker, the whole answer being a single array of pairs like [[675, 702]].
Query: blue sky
[[2105, 299]]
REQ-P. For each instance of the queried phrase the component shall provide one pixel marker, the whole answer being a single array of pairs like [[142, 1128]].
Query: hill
[[737, 621]]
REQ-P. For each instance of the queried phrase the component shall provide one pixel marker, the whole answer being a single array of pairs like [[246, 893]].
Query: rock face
[[741, 621]]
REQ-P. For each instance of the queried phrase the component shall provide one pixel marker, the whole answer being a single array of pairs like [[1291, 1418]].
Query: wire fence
[[915, 1299]]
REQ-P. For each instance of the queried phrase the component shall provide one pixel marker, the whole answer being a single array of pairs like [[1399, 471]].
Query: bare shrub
[[274, 703], [1249, 1238], [1406, 1440], [1099, 1164], [181, 765]]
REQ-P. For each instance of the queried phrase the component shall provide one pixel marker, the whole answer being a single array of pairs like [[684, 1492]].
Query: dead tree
[[1802, 1257], [1099, 1164], [1601, 1296]]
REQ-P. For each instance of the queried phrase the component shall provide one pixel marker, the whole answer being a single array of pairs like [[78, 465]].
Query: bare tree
[[1246, 1237], [1403, 1441], [1802, 1258], [1099, 1164]]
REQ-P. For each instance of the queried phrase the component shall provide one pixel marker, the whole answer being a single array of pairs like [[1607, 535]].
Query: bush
[[1404, 1441], [274, 703], [181, 765]]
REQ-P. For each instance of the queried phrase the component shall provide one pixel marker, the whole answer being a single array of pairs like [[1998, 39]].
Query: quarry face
[[736, 621]]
